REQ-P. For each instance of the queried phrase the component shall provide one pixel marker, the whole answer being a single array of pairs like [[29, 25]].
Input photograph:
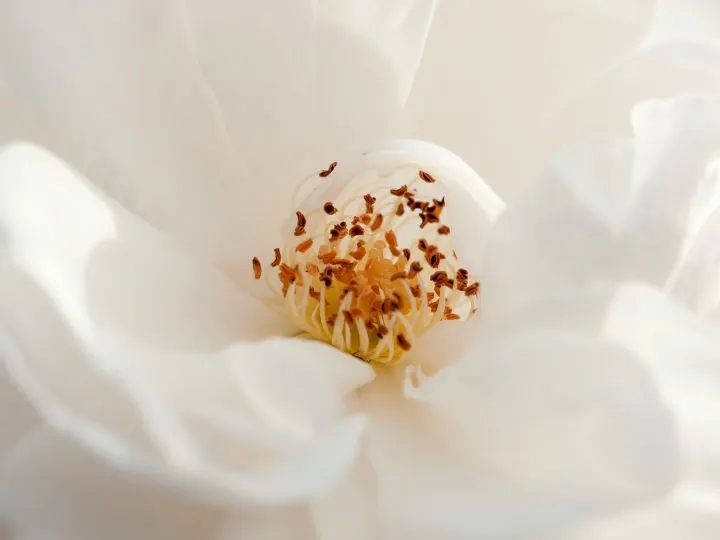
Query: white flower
[[146, 401]]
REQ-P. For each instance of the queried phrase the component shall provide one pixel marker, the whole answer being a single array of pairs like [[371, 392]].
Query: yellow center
[[369, 274]]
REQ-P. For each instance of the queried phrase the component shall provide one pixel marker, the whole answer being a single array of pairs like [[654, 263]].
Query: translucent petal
[[526, 435], [121, 83], [612, 210], [110, 271], [51, 488]]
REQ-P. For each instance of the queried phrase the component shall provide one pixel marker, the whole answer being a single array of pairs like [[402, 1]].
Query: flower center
[[371, 271]]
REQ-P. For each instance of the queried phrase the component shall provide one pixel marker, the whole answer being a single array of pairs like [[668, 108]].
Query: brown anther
[[402, 342], [473, 289], [348, 316], [434, 259], [257, 267], [399, 192], [277, 259], [302, 247], [400, 210], [369, 203], [382, 331], [439, 277], [359, 252], [328, 257], [391, 239], [430, 296], [450, 316], [339, 231], [329, 170], [406, 254], [387, 306], [377, 222], [434, 305], [312, 269], [331, 319], [314, 294], [329, 208], [426, 177], [301, 222], [415, 269], [357, 230], [422, 244], [415, 291], [398, 275], [326, 276], [444, 230], [366, 219], [399, 303]]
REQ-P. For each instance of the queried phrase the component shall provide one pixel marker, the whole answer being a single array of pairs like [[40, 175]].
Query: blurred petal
[[680, 517], [497, 445], [613, 210], [128, 392], [315, 80], [121, 83], [493, 76], [292, 523], [397, 29], [682, 20], [111, 272], [51, 488], [17, 416], [183, 420]]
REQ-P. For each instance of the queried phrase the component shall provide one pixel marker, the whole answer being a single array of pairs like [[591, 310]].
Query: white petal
[[613, 210], [681, 352], [18, 417], [108, 270], [350, 511], [680, 517], [397, 29], [529, 434], [120, 83], [51, 488], [683, 20], [182, 420], [492, 97], [292, 523]]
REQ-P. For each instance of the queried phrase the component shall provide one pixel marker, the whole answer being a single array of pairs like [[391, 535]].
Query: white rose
[[145, 400]]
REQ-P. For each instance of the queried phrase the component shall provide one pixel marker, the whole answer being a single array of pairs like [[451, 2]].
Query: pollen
[[371, 272]]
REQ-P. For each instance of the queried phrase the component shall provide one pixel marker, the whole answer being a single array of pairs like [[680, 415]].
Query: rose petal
[[610, 211], [679, 20], [492, 97], [293, 523], [681, 516], [51, 488], [111, 272], [119, 89]]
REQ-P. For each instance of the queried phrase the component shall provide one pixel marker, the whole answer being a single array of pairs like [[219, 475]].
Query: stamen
[[363, 279]]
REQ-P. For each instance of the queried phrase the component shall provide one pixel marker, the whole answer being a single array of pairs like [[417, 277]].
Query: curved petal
[[110, 271], [526, 436], [52, 488], [121, 84], [681, 516], [164, 404], [697, 21], [493, 98], [613, 210]]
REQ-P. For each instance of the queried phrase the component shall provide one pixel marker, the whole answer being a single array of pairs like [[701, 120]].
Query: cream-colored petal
[[116, 89], [615, 209], [492, 97], [109, 271], [52, 488], [527, 435]]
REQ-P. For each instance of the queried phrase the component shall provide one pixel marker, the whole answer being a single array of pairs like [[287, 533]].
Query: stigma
[[372, 270]]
